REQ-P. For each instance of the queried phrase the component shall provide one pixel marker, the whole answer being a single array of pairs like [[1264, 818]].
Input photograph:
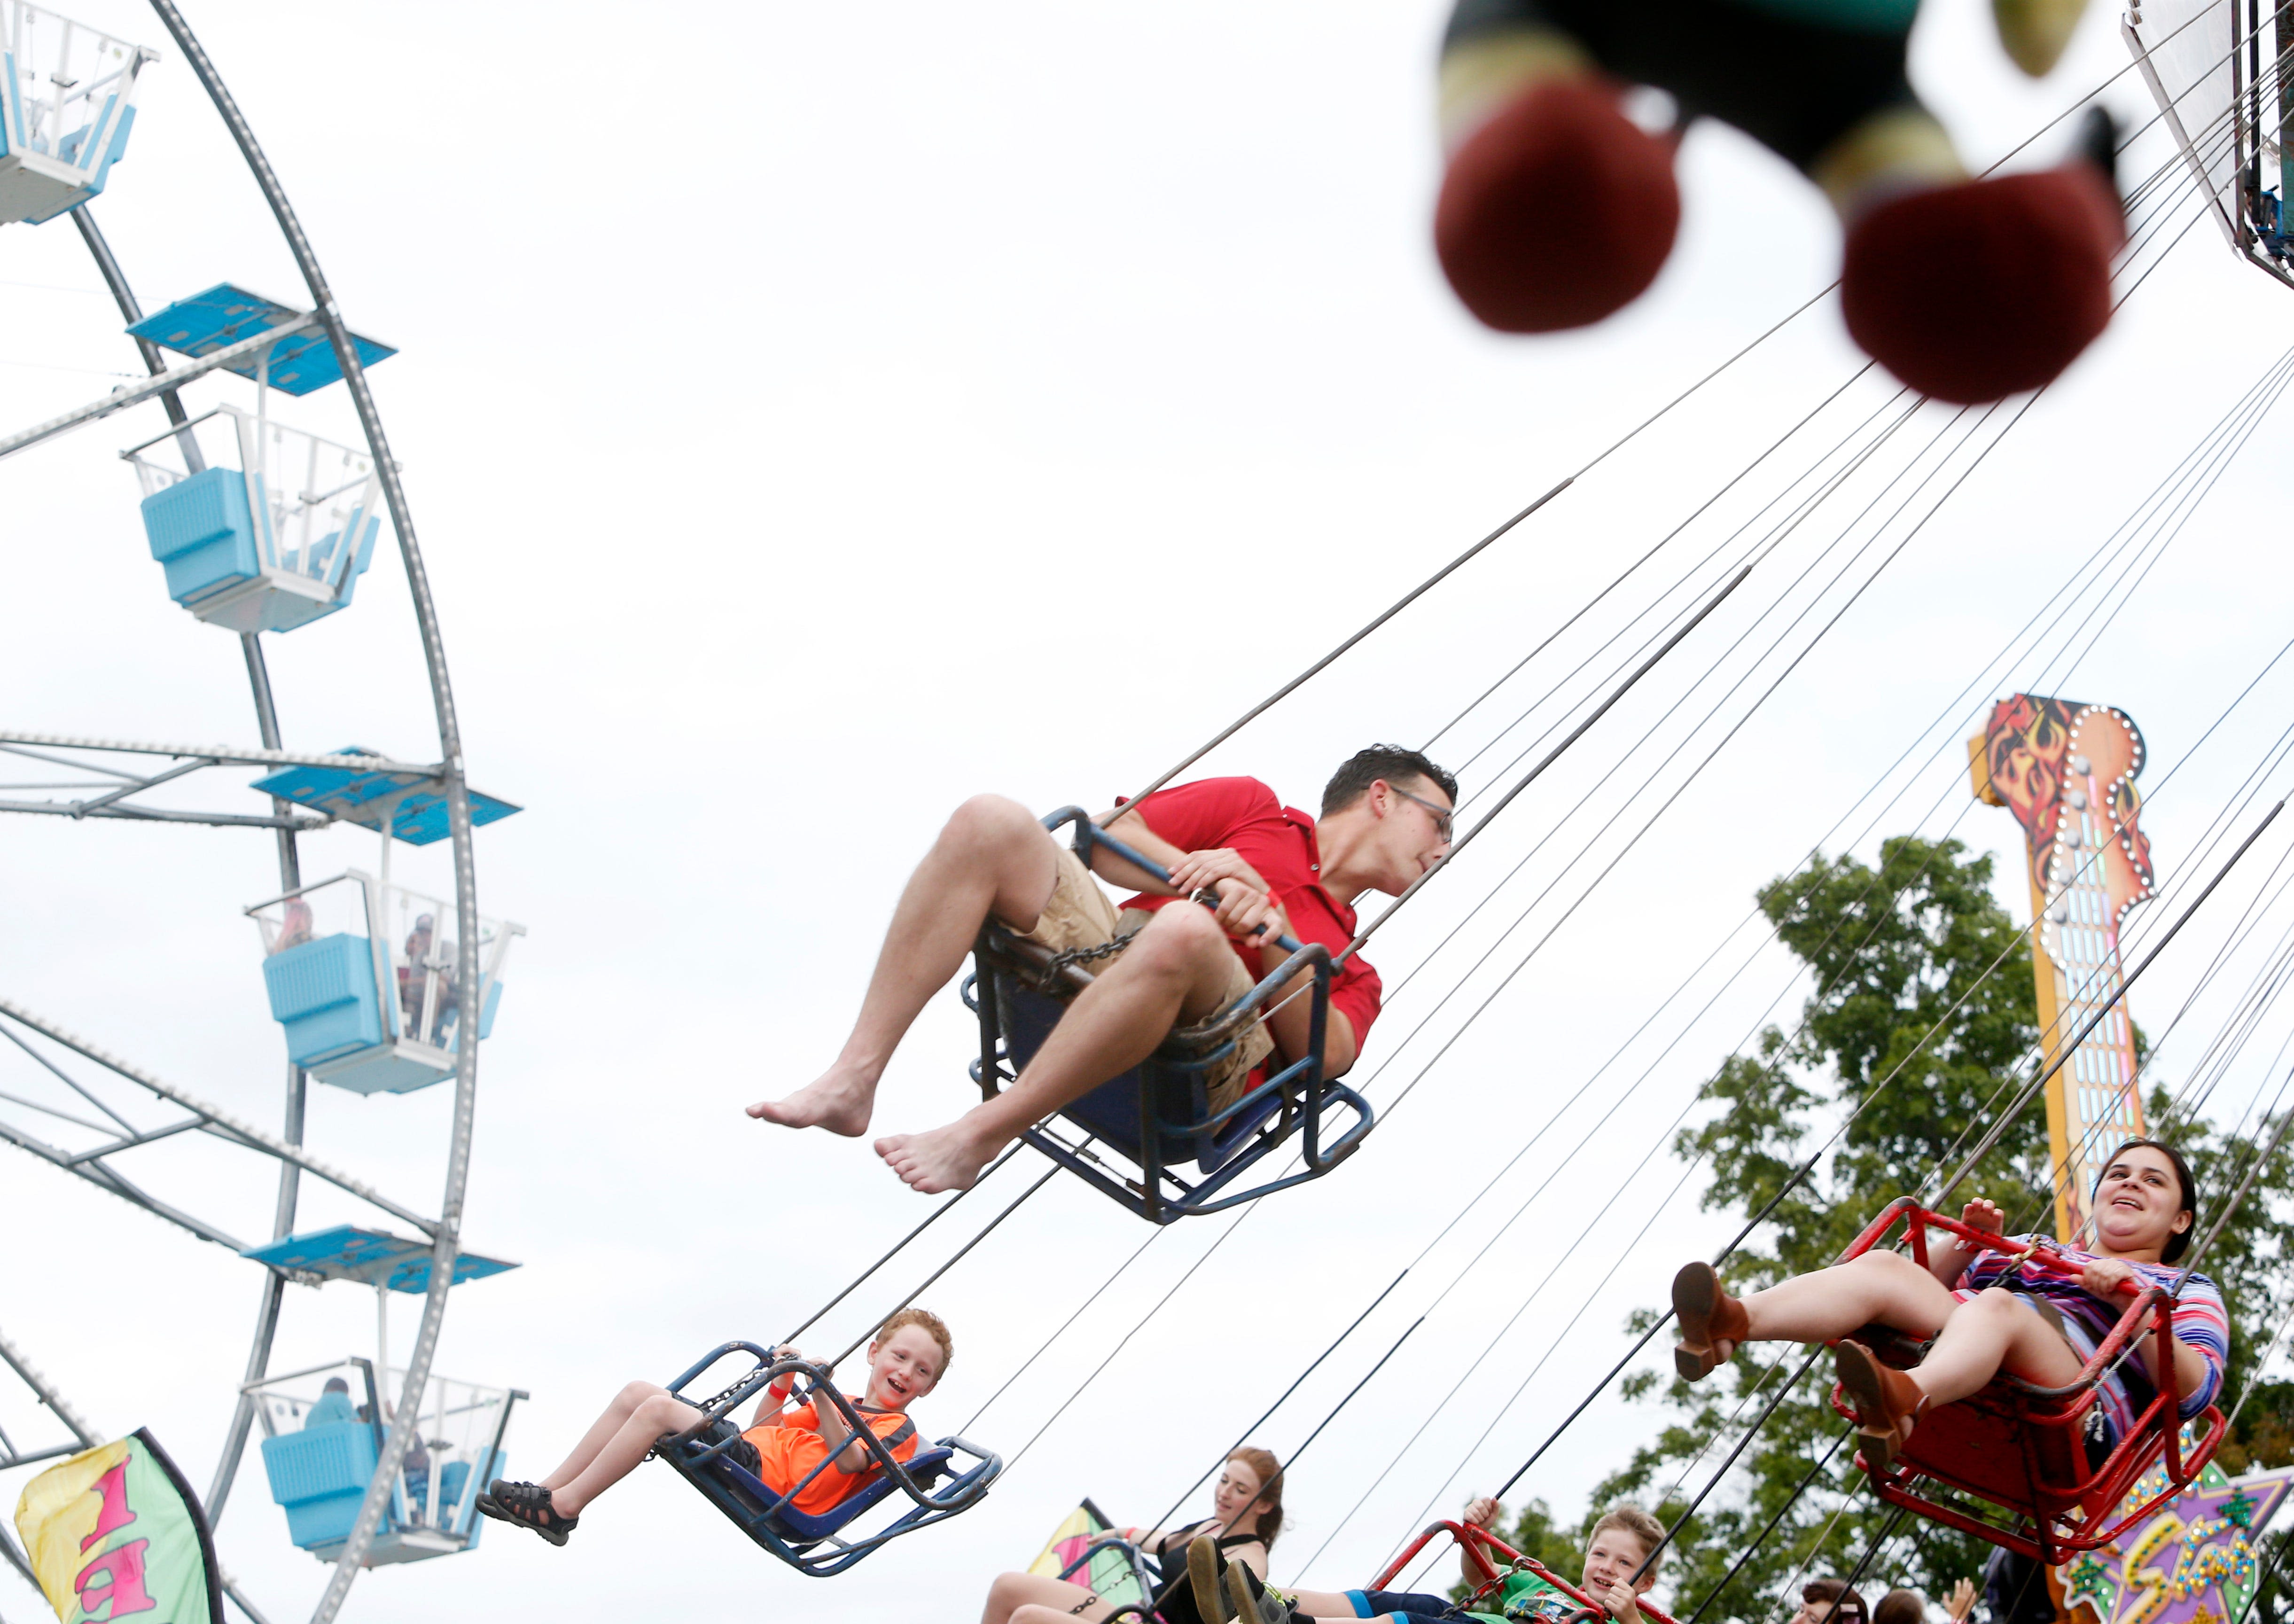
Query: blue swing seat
[[793, 1536], [1158, 1115]]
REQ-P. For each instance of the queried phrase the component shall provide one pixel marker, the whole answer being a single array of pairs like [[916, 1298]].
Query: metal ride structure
[[77, 1435], [268, 540], [2218, 70]]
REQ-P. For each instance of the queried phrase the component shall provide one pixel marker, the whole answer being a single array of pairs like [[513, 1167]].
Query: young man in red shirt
[[1386, 820]]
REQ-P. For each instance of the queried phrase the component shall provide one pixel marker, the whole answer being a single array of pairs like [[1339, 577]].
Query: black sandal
[[526, 1504]]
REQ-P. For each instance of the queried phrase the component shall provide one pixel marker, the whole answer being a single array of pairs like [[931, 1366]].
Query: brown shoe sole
[[1203, 1577], [1695, 1294], [1859, 1378]]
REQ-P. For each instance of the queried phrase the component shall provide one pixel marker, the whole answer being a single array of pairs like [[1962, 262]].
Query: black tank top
[[1174, 1601]]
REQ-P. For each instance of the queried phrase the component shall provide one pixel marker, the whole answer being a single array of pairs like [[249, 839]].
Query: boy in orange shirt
[[905, 1362]]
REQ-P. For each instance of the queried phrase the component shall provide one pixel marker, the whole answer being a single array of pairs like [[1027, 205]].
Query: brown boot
[[1708, 1316], [1886, 1402]]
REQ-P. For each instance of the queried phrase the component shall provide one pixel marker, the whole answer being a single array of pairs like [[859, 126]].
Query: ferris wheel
[[260, 528]]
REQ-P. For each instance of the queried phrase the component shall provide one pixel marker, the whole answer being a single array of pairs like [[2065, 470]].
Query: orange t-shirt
[[788, 1451]]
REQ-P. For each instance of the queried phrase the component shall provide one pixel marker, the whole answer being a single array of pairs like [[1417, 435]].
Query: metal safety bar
[[1134, 1556], [2145, 1302], [1479, 1545]]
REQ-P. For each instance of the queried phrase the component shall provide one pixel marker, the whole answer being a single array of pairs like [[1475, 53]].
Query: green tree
[[1916, 1034], [1922, 1009]]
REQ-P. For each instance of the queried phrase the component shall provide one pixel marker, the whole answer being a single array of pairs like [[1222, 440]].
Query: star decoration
[[2191, 1562]]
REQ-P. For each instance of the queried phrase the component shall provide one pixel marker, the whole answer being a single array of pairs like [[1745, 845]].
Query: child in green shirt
[[1621, 1542]]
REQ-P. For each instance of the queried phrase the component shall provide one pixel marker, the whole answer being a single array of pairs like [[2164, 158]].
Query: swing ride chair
[[1493, 1559], [796, 1537], [319, 1465], [66, 104], [362, 975], [275, 543], [2020, 1446], [1158, 1115]]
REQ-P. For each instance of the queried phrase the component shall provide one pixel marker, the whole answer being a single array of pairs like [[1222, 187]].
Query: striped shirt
[[2199, 1320]]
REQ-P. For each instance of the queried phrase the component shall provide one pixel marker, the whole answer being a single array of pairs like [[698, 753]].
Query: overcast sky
[[814, 414]]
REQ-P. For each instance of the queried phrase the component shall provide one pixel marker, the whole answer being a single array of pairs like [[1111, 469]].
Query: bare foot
[[945, 1158], [841, 1100]]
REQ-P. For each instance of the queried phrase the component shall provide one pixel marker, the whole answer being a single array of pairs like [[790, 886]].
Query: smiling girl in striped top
[[2042, 1327]]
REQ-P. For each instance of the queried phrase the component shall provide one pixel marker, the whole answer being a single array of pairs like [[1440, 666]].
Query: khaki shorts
[[1080, 915]]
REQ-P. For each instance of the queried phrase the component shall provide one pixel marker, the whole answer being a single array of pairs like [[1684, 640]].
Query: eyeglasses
[[1442, 823]]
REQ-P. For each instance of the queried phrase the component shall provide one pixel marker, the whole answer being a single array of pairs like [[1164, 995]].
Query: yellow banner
[[59, 1515]]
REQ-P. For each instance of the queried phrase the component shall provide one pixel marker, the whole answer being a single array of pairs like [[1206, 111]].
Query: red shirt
[[1245, 816]]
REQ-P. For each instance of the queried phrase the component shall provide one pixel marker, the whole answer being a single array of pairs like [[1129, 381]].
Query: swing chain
[[712, 1401], [1048, 980]]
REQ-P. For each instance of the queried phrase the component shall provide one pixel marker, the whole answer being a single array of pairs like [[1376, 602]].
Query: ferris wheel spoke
[[208, 1119]]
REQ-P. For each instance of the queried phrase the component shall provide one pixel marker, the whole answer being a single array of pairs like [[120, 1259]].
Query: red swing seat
[[2022, 1448], [1487, 1551]]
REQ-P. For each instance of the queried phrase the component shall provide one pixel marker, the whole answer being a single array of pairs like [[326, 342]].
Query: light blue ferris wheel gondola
[[268, 545], [363, 973], [67, 102], [323, 1427], [277, 533]]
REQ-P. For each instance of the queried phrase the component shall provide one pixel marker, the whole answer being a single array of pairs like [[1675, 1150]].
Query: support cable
[[1761, 1538], [1955, 487], [1247, 719], [900, 1245], [1244, 1437], [925, 1284], [1797, 508], [1808, 1165], [1537, 772], [1620, 443]]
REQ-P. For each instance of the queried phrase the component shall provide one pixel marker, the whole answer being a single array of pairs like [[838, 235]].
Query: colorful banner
[[2192, 1562], [1109, 1575], [114, 1532]]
